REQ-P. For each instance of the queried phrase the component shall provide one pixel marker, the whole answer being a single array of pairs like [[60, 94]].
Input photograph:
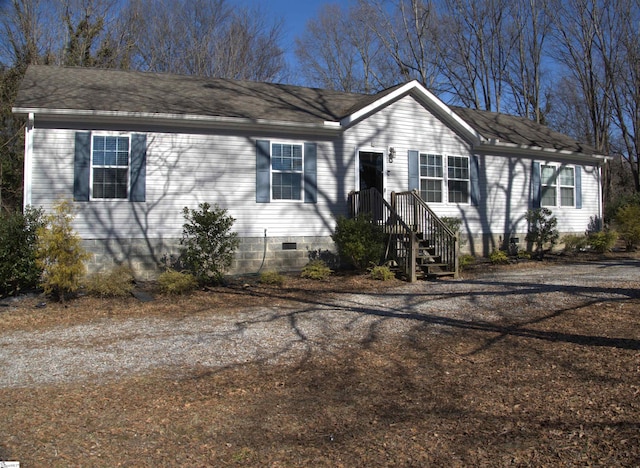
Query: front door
[[371, 170]]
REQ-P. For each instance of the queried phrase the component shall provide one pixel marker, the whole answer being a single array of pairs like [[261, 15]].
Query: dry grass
[[561, 390]]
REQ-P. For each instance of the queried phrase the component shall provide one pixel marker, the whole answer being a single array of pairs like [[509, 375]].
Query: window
[[458, 179], [110, 166], [567, 186], [432, 178], [286, 171], [548, 181], [552, 179]]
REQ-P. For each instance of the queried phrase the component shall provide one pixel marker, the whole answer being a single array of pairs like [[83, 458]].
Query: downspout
[[28, 160]]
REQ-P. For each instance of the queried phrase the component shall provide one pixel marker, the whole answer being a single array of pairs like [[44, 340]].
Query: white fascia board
[[185, 120], [538, 152], [429, 99]]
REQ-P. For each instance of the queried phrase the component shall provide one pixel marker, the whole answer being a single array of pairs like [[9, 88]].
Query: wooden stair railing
[[430, 228], [418, 241]]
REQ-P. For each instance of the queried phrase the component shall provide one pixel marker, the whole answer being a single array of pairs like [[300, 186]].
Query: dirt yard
[[536, 364]]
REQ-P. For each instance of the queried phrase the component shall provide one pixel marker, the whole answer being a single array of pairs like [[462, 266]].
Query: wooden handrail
[[416, 213], [404, 219], [402, 244]]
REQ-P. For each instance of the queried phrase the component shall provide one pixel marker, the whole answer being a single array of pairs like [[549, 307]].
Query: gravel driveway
[[109, 348]]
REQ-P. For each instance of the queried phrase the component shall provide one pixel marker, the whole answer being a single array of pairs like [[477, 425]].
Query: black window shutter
[[310, 173], [263, 171], [535, 185], [474, 180], [81, 166], [579, 187], [138, 167], [414, 170]]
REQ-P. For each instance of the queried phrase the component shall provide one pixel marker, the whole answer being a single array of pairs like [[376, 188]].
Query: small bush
[[60, 253], [271, 277], [117, 282], [209, 242], [359, 241], [628, 223], [602, 241], [316, 270], [382, 273], [499, 257], [454, 224], [574, 242], [542, 229], [177, 282], [465, 261], [524, 255], [18, 242]]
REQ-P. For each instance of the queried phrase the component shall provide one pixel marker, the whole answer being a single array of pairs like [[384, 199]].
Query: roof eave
[[180, 120], [537, 151]]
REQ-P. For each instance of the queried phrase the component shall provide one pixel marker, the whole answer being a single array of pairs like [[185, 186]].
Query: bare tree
[[206, 38], [617, 39], [338, 50], [249, 48], [408, 32], [476, 50], [532, 27], [28, 28], [577, 51]]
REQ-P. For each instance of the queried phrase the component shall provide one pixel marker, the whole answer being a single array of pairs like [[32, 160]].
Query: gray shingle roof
[[115, 90], [519, 131], [86, 89]]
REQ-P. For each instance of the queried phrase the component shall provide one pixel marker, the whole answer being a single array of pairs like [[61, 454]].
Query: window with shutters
[[558, 186], [110, 167]]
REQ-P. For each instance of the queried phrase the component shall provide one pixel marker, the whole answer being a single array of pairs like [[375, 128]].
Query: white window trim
[[442, 179], [109, 134], [467, 180], [445, 177], [558, 186], [272, 171]]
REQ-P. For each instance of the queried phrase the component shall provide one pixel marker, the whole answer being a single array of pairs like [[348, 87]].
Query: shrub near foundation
[[117, 282], [316, 270], [60, 253], [176, 282], [18, 268], [359, 241]]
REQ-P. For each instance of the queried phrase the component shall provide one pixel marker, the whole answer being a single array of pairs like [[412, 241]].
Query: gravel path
[[109, 349]]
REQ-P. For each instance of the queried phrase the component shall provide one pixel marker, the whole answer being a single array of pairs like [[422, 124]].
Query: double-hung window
[[567, 186], [558, 186], [110, 166], [434, 176], [458, 179], [286, 171], [431, 177]]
